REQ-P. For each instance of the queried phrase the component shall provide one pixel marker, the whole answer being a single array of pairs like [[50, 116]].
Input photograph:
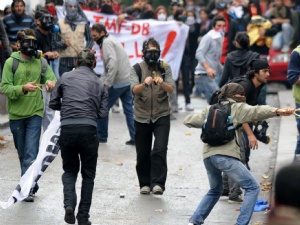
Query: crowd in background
[[270, 24]]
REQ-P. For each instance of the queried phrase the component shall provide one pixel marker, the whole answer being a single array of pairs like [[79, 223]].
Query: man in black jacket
[[84, 102], [256, 78]]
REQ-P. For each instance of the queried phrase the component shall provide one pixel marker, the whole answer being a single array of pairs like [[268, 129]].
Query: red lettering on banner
[[145, 30], [135, 28], [98, 18], [121, 25], [136, 47], [111, 25], [169, 41]]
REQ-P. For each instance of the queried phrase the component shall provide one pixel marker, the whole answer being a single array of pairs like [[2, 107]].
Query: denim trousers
[[207, 85], [79, 145], [54, 64], [151, 166], [124, 93], [297, 151], [26, 135], [235, 170], [63, 69], [283, 37]]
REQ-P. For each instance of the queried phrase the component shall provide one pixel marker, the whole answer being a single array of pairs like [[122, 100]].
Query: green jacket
[[241, 113], [20, 105]]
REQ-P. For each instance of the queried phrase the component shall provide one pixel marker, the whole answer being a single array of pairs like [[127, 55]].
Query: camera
[[260, 131]]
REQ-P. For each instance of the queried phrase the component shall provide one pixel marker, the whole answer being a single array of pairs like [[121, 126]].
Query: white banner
[[47, 152], [132, 34]]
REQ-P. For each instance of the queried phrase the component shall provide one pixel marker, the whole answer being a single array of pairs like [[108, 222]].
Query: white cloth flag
[[48, 150]]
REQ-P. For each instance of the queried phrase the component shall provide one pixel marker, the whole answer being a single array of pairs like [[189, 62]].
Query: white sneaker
[[115, 109], [157, 190], [189, 107], [145, 190], [191, 224]]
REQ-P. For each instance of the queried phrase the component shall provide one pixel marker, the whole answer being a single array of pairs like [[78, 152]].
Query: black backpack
[[218, 128]]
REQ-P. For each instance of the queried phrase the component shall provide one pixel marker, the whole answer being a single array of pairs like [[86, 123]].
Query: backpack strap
[[15, 66], [161, 68], [138, 71], [44, 66]]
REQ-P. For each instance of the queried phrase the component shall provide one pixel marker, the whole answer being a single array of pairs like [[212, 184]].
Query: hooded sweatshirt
[[237, 64], [22, 105]]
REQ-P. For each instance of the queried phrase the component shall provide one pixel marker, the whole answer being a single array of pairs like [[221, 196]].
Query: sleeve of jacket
[[225, 75], [244, 113], [56, 95], [196, 120], [293, 72], [4, 40], [103, 106], [7, 85], [133, 78], [202, 49], [110, 62], [168, 77], [88, 36]]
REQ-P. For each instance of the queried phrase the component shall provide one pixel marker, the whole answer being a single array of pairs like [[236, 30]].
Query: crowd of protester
[[220, 32]]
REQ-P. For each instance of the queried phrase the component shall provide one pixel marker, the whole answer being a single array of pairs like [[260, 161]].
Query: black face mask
[[99, 41], [151, 57], [107, 9], [46, 22], [29, 47]]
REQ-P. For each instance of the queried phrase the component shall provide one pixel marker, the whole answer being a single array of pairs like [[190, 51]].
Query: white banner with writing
[[170, 35], [48, 150]]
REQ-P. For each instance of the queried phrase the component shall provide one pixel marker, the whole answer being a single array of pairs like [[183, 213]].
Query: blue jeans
[[297, 151], [26, 134], [125, 95], [283, 37], [235, 170], [207, 84], [54, 66], [63, 69]]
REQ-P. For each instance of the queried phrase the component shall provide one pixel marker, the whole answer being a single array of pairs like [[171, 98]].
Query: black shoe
[[85, 223], [225, 193], [29, 198], [69, 215], [130, 142], [237, 200], [102, 141]]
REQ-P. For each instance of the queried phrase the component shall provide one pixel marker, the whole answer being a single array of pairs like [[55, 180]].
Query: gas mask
[[46, 22], [29, 47], [151, 56]]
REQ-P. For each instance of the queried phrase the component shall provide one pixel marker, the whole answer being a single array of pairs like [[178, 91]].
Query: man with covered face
[[25, 102], [116, 79], [74, 28], [226, 158], [44, 22], [17, 20], [150, 85]]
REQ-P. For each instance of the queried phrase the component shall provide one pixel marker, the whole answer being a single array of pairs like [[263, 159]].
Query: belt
[[200, 74]]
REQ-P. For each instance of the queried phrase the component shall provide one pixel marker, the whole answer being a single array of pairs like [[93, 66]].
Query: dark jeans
[[186, 68], [125, 95], [63, 69], [151, 166], [79, 144]]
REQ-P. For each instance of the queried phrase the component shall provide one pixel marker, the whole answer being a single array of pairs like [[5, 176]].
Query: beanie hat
[[260, 64]]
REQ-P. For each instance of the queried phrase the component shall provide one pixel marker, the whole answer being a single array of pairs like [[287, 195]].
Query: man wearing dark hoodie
[[238, 62]]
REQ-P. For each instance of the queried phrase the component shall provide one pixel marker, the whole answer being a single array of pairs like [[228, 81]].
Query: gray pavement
[[186, 184]]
